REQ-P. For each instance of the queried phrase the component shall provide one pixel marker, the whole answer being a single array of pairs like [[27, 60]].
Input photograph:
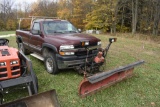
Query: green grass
[[142, 90], [6, 32]]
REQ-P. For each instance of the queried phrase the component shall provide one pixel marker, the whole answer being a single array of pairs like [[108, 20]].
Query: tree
[[107, 15], [95, 19], [156, 17], [78, 14], [6, 8], [134, 15], [11, 25], [64, 9], [26, 7], [44, 8], [103, 16], [2, 25]]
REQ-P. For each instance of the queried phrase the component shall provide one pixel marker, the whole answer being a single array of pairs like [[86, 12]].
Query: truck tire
[[22, 49], [50, 63]]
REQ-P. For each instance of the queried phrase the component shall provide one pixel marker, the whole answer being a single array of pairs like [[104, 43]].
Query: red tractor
[[15, 69]]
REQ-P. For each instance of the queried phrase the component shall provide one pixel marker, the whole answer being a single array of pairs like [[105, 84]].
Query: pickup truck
[[58, 43]]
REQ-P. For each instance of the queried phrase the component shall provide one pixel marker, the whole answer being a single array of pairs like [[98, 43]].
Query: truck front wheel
[[50, 63]]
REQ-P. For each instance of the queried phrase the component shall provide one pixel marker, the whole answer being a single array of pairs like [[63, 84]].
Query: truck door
[[35, 40]]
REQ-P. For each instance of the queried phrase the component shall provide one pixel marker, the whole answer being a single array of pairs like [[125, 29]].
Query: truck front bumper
[[72, 61]]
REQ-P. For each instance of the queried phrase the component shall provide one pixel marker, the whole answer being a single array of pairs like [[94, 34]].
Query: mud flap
[[45, 99], [102, 80]]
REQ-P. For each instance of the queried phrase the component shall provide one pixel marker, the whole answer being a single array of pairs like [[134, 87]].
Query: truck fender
[[18, 38], [49, 46]]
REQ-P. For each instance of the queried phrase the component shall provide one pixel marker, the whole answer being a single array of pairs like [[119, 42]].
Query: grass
[[6, 32], [142, 90]]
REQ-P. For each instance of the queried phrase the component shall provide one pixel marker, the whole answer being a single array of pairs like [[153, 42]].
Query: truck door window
[[36, 26]]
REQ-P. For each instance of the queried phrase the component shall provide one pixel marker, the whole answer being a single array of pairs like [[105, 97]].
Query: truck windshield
[[51, 27]]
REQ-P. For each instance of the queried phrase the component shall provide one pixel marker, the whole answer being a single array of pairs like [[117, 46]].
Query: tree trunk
[[115, 17], [122, 21], [134, 15], [156, 18]]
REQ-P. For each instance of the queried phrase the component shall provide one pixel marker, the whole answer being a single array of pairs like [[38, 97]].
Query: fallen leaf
[[152, 103], [94, 100]]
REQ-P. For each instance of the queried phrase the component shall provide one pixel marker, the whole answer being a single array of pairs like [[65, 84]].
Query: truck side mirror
[[36, 32]]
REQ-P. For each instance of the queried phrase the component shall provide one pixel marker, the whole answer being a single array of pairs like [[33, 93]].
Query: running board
[[37, 56], [102, 80]]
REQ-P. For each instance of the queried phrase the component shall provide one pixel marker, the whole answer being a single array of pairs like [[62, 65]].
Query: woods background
[[113, 16]]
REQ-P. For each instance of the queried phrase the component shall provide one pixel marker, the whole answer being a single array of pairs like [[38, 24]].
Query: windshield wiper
[[58, 32], [72, 31]]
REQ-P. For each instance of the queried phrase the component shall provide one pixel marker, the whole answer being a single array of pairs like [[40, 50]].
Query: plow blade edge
[[102, 80], [45, 99]]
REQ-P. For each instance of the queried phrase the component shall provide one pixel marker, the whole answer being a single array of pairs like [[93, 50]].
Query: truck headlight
[[66, 53], [85, 43], [66, 47], [13, 62], [2, 63], [99, 43]]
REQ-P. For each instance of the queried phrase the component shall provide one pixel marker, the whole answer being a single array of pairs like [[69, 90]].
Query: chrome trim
[[33, 46]]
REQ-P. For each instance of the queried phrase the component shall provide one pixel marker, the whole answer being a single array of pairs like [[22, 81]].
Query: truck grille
[[9, 71], [83, 53], [91, 44], [92, 51]]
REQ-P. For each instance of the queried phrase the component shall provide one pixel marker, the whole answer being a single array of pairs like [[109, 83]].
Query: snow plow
[[94, 81]]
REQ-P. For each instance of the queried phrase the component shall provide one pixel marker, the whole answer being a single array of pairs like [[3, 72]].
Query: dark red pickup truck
[[58, 43]]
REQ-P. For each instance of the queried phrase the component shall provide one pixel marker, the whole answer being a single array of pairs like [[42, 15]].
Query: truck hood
[[71, 39]]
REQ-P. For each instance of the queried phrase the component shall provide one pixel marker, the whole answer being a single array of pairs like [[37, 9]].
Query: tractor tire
[[50, 63], [22, 49]]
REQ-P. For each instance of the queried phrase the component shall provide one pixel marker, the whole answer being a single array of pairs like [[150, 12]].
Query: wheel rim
[[49, 65]]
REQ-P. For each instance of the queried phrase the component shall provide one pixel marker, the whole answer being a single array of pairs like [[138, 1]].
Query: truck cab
[[58, 43]]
